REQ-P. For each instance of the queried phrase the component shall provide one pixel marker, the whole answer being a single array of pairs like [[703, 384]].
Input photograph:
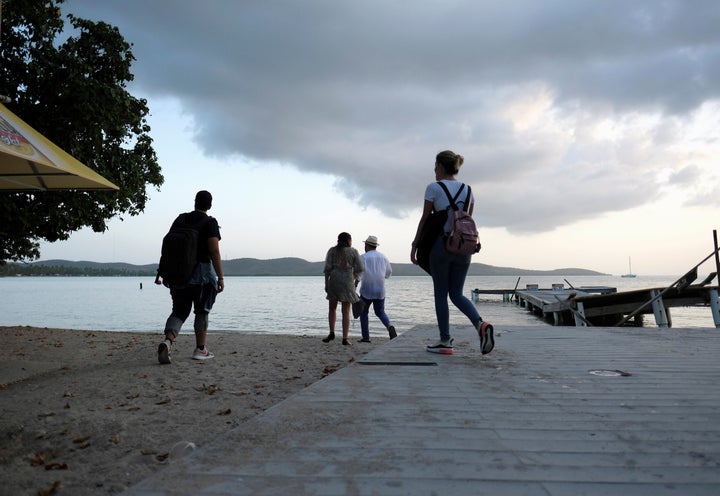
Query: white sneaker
[[442, 347], [202, 354]]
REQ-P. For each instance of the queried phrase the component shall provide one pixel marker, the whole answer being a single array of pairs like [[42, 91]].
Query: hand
[[220, 285]]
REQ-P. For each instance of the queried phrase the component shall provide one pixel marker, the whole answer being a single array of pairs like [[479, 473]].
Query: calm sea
[[285, 305]]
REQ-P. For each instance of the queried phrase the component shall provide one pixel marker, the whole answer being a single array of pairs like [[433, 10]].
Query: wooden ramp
[[581, 308]]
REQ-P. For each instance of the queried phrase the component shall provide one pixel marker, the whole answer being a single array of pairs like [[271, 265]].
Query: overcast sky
[[589, 128]]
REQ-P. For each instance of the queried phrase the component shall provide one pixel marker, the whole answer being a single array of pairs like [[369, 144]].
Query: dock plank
[[530, 418]]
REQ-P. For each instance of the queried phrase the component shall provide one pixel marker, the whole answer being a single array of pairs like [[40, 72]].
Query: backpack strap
[[182, 221], [452, 199]]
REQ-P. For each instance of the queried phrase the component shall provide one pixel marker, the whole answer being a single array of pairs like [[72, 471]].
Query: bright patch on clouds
[[530, 108]]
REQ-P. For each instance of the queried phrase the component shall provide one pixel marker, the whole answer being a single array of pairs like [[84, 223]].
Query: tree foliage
[[68, 81]]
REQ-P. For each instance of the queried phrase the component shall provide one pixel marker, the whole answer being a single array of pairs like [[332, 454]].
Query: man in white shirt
[[372, 290]]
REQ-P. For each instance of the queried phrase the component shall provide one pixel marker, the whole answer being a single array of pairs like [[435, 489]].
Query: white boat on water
[[630, 273]]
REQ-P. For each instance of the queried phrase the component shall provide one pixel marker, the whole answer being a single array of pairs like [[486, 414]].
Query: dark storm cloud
[[374, 89]]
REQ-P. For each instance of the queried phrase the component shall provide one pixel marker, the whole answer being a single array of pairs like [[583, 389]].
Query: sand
[[92, 412]]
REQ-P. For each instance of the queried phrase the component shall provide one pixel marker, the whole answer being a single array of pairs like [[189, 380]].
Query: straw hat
[[372, 241]]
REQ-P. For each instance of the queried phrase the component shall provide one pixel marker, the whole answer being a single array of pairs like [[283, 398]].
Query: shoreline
[[92, 412]]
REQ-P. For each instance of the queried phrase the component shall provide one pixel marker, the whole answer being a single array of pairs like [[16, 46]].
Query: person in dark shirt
[[202, 288]]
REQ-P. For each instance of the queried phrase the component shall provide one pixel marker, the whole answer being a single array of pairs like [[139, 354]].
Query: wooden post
[[717, 255], [715, 306], [579, 315], [661, 315], [514, 293]]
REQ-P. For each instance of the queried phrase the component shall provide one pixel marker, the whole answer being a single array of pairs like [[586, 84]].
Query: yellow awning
[[30, 162]]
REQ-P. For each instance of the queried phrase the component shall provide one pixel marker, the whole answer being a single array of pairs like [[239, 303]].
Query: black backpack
[[178, 256]]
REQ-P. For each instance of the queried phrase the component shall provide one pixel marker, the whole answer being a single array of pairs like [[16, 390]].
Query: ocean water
[[285, 305]]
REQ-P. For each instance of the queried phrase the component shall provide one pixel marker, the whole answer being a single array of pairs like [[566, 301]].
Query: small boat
[[629, 274]]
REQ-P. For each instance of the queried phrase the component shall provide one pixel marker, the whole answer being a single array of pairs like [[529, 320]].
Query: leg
[[182, 304], [201, 326], [203, 303], [172, 327], [364, 324], [379, 309], [439, 267], [346, 310], [332, 316], [458, 269], [182, 300]]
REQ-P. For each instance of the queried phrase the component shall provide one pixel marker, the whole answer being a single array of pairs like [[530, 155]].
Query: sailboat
[[629, 274]]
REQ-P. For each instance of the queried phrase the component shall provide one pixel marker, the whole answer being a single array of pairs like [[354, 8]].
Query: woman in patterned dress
[[343, 266]]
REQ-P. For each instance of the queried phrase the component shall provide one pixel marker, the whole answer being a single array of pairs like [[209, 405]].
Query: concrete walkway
[[552, 411]]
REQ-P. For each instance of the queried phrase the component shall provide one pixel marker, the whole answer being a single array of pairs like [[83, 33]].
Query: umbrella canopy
[[30, 162]]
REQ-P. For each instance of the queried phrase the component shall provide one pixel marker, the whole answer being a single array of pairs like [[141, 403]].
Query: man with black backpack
[[191, 267]]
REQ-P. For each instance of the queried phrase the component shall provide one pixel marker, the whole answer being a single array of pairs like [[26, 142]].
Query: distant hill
[[255, 267]]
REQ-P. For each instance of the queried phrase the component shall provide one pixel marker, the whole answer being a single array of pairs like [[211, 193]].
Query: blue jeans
[[448, 272], [379, 309]]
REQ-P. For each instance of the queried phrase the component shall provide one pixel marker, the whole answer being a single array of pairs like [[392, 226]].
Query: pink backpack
[[463, 236]]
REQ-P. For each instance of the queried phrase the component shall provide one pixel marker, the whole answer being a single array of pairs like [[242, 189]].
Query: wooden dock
[[551, 411], [580, 307], [510, 294]]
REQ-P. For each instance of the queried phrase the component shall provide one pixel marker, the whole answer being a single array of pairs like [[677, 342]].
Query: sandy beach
[[92, 412]]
